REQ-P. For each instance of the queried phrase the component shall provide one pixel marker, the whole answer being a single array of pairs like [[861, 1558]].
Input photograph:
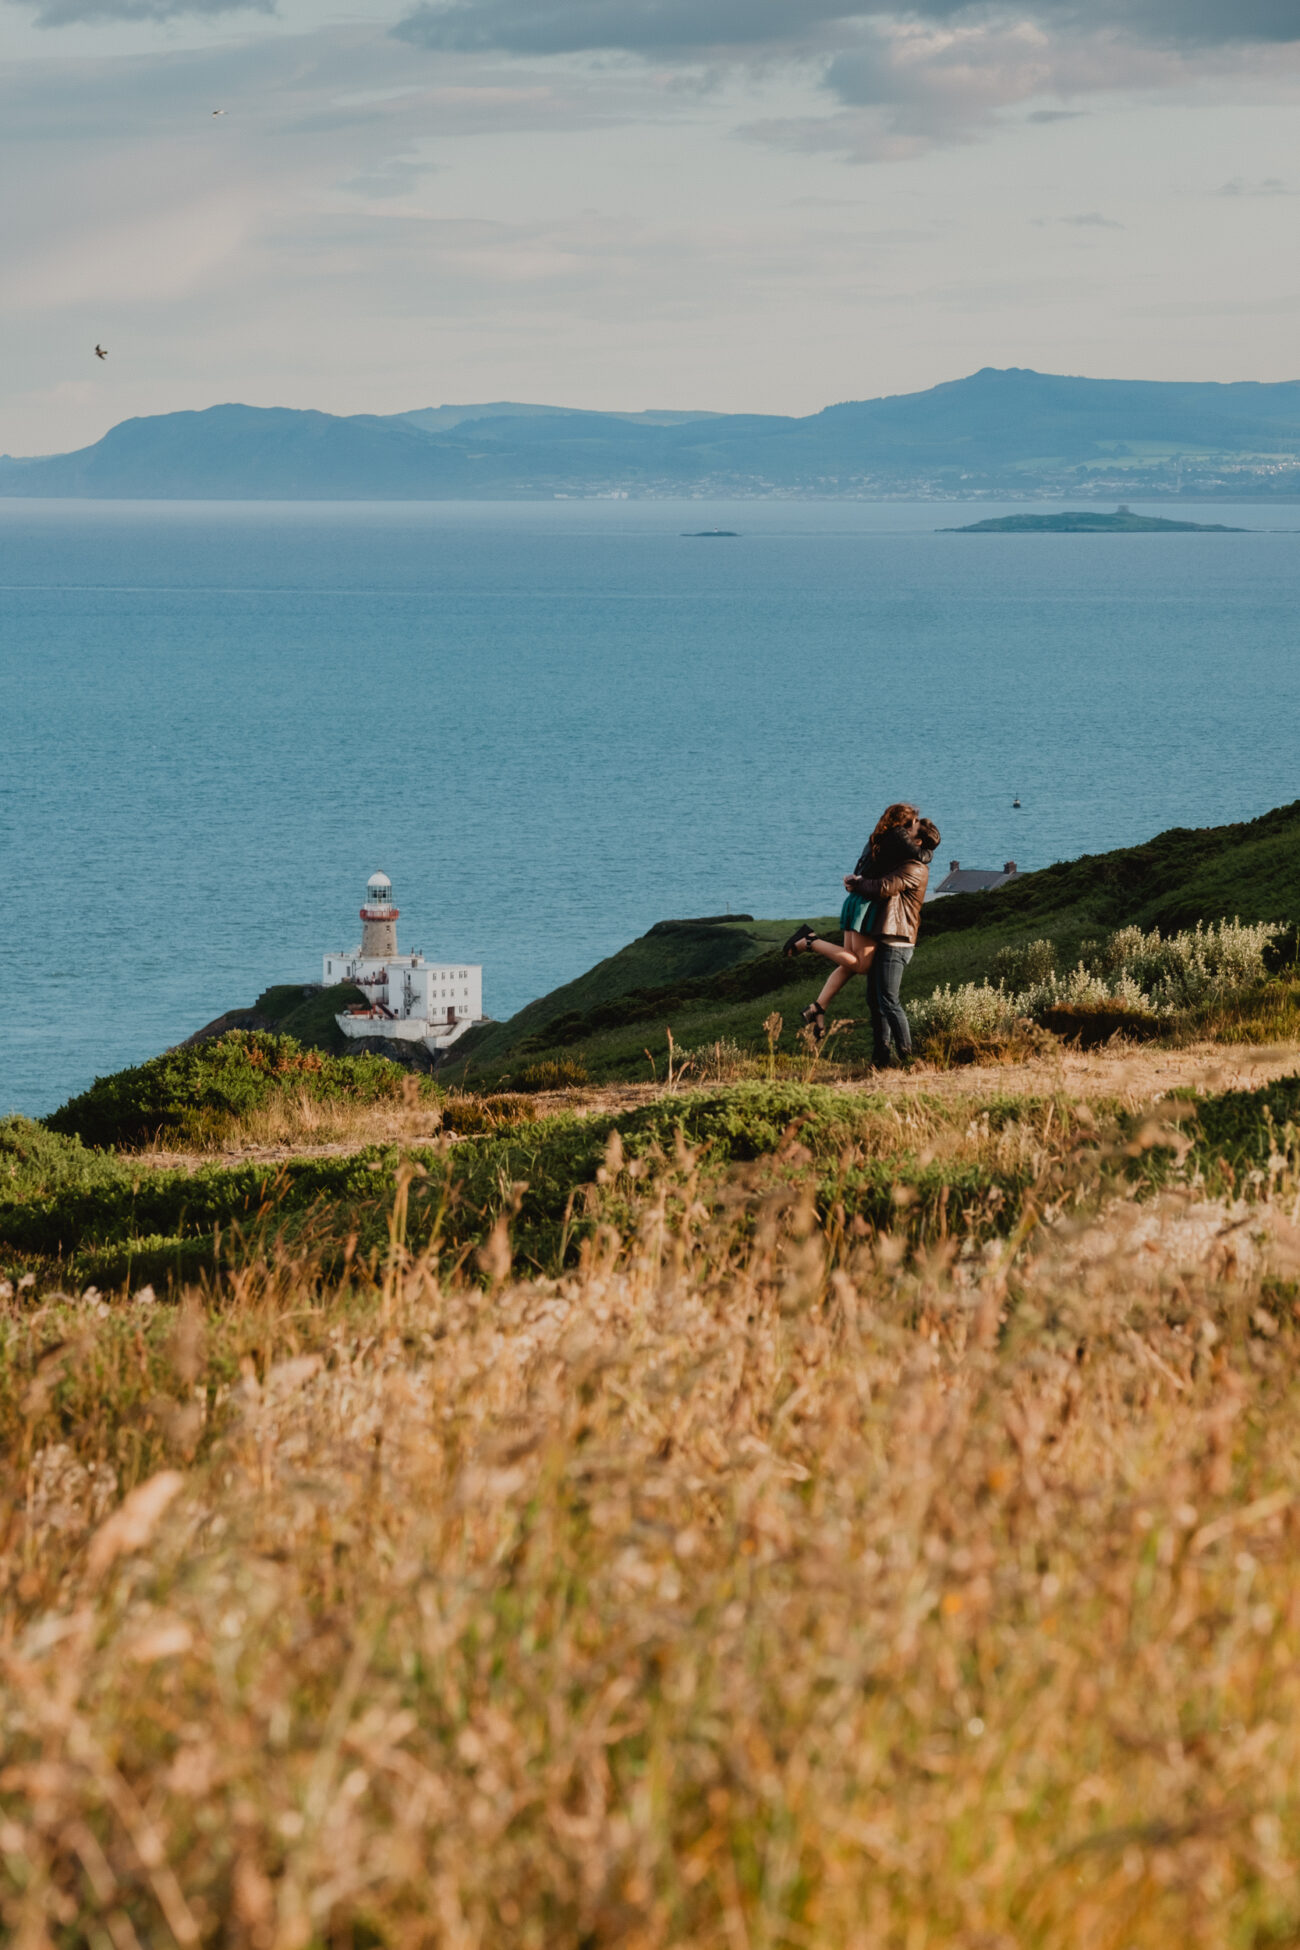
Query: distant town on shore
[[1013, 434]]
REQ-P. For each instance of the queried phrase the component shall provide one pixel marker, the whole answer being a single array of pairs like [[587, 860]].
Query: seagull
[[218, 111], [100, 352]]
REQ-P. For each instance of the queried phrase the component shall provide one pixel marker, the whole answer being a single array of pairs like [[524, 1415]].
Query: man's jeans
[[890, 1028]]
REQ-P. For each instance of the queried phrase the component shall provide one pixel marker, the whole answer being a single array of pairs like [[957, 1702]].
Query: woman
[[899, 835]]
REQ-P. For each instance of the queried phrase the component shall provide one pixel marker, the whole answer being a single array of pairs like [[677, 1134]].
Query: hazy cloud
[[67, 13], [1092, 220], [397, 176], [904, 77], [633, 26], [659, 27], [1238, 186]]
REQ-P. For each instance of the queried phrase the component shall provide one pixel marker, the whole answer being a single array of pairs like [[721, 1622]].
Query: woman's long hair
[[893, 817]]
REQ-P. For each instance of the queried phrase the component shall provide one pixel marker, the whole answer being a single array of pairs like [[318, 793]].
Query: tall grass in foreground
[[733, 1591]]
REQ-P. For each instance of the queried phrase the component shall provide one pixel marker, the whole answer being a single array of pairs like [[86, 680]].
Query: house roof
[[973, 880]]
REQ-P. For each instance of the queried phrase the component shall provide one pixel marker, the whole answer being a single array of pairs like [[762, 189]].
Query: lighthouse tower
[[379, 920], [404, 998]]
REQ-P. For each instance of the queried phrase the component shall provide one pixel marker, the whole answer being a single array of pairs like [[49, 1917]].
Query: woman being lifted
[[900, 835]]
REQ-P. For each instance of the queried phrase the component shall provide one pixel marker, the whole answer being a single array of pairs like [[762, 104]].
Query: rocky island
[[1089, 521]]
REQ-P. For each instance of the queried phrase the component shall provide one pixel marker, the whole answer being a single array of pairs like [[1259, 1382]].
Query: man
[[897, 922]]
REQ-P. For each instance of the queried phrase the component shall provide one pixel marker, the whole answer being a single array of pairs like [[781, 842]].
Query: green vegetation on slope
[[308, 1013], [112, 1219], [928, 1168], [186, 1094], [675, 977]]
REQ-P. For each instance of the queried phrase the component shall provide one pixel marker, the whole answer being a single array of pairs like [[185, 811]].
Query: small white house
[[409, 999]]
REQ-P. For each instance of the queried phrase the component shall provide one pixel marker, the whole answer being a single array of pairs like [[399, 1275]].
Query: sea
[[553, 724]]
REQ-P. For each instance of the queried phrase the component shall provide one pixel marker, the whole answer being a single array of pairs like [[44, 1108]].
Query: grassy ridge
[[111, 1219], [930, 1169]]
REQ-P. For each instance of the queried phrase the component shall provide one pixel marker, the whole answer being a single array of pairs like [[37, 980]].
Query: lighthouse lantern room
[[408, 999]]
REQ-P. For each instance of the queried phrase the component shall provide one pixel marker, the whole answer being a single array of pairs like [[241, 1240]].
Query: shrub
[[975, 1010], [468, 1116], [1140, 981], [555, 1073], [724, 1061], [1024, 963], [1091, 1023], [188, 1093]]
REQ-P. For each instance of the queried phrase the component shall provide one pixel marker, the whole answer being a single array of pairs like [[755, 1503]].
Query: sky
[[741, 205]]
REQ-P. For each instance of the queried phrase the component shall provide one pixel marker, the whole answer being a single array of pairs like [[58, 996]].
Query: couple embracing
[[881, 918]]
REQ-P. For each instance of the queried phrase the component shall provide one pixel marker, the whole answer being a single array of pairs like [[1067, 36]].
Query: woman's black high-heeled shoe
[[815, 1017], [799, 941]]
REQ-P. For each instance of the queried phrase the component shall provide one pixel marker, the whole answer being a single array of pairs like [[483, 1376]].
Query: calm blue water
[[554, 724]]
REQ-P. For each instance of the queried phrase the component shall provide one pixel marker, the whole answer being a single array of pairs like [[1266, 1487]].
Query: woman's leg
[[847, 956], [862, 950]]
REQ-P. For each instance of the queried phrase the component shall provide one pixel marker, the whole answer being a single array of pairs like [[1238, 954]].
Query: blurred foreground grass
[[762, 1573]]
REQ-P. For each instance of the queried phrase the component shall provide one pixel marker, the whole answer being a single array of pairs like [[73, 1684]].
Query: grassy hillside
[[711, 980]]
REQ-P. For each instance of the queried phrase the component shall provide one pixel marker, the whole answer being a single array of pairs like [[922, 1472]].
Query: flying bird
[[100, 352]]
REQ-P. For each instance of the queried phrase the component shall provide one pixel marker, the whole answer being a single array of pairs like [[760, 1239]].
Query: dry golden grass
[[753, 1586]]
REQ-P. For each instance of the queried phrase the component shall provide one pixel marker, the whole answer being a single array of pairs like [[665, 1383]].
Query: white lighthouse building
[[409, 999]]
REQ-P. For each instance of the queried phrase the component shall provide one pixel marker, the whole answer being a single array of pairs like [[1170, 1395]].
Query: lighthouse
[[378, 920], [408, 999]]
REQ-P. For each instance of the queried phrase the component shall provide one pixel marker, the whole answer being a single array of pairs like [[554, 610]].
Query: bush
[[1023, 964], [190, 1092], [556, 1073], [1140, 981], [1091, 1023], [724, 1061], [1244, 1128], [469, 1116]]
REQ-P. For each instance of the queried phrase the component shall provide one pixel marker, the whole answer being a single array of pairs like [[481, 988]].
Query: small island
[[1088, 521], [710, 534]]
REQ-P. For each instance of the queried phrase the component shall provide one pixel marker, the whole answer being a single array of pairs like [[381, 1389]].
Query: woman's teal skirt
[[858, 914]]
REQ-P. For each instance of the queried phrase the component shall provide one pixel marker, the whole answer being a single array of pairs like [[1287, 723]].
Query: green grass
[[926, 1168], [308, 1013], [110, 1220]]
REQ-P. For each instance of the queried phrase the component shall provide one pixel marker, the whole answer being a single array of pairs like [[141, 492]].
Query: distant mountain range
[[1009, 433]]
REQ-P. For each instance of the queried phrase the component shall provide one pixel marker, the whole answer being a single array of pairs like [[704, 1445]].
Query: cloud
[[67, 13], [906, 85], [633, 26], [1092, 220], [1269, 186], [902, 78], [396, 176], [667, 27]]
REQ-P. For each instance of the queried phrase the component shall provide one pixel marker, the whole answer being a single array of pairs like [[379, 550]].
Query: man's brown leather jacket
[[900, 895]]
